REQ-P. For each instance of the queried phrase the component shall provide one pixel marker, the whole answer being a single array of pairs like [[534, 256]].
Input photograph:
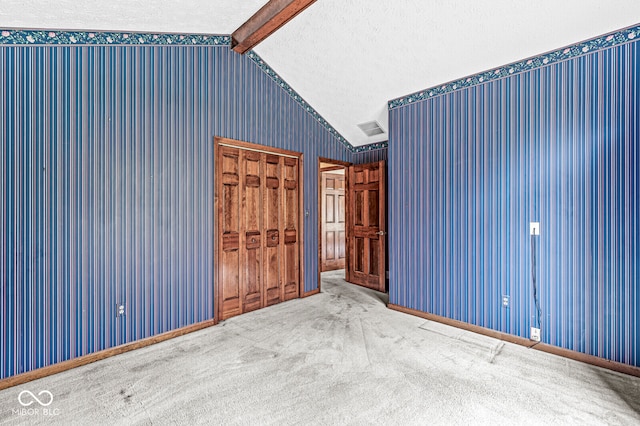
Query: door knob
[[253, 240], [381, 233], [273, 237]]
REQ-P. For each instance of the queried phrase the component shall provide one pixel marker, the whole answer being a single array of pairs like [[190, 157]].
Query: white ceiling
[[348, 58], [174, 16]]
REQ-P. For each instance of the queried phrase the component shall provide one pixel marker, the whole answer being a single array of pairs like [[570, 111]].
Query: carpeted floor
[[340, 357]]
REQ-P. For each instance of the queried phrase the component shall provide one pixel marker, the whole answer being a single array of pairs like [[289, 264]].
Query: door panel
[[332, 227], [271, 249], [373, 256], [359, 207], [366, 222], [330, 244], [291, 247], [330, 208], [359, 255], [229, 260], [342, 252], [252, 209], [374, 209]]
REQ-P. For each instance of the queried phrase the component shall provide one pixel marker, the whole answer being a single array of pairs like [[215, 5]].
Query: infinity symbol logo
[[26, 392]]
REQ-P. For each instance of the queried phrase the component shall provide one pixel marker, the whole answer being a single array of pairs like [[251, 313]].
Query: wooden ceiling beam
[[265, 22]]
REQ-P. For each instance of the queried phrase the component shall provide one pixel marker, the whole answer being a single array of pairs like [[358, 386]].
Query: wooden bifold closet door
[[258, 253]]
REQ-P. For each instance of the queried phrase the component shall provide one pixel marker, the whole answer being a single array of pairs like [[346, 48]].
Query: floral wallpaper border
[[79, 38], [54, 37], [580, 49], [285, 86]]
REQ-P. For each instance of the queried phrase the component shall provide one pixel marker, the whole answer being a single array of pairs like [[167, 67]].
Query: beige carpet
[[340, 357]]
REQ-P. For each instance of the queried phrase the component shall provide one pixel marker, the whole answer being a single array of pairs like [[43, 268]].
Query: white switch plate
[[534, 227], [535, 334]]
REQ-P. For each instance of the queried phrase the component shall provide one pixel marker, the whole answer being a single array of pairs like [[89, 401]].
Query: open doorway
[[332, 218], [352, 222]]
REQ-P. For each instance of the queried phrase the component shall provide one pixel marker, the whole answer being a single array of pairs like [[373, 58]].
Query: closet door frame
[[218, 142]]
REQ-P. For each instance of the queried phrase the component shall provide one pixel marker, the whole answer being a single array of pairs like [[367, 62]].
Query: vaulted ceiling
[[348, 58]]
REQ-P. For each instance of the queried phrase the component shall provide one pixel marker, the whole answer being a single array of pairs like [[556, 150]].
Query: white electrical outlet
[[535, 334], [505, 301], [534, 227], [120, 310]]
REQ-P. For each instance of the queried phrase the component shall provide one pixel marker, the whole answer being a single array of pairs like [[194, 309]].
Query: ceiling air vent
[[371, 128]]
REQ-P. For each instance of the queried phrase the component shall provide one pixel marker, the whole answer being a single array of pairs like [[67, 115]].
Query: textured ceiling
[[348, 58], [175, 16]]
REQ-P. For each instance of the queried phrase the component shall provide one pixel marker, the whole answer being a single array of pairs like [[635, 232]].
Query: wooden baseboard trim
[[311, 293], [544, 347], [97, 356]]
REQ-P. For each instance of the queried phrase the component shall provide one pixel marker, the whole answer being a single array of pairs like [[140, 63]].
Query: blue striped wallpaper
[[470, 169], [370, 156], [106, 188]]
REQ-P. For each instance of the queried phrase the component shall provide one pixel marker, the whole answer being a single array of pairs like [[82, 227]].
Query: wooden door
[[366, 222], [333, 219], [258, 225], [251, 218], [229, 208], [291, 259], [272, 224]]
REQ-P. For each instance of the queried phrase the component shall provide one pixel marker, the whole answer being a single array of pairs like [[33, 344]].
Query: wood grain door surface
[[333, 253], [366, 222], [258, 230]]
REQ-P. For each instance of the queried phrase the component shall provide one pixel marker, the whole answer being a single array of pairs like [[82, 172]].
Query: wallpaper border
[[22, 37], [296, 97], [615, 38]]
